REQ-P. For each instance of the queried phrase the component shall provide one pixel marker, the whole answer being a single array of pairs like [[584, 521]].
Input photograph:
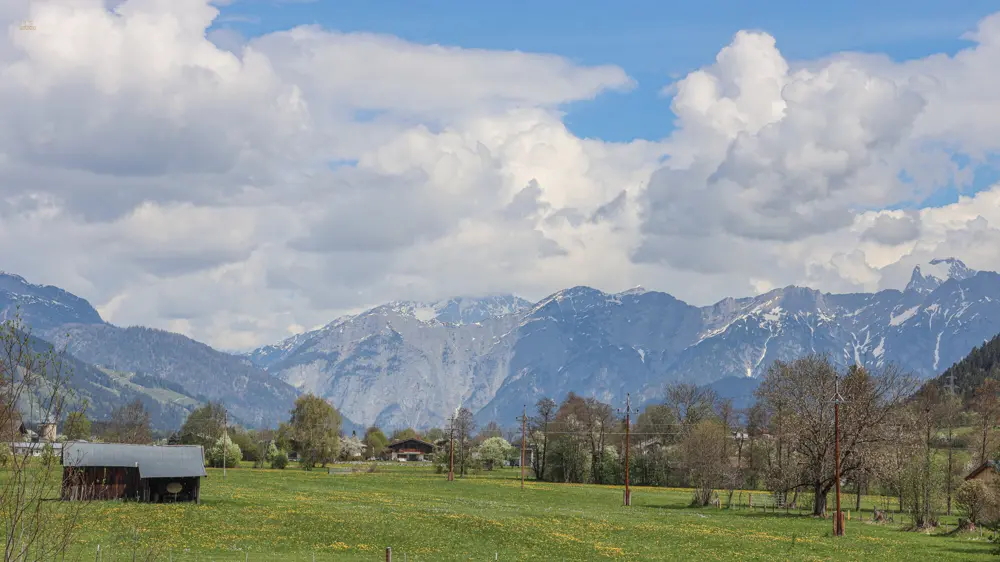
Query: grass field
[[297, 515]]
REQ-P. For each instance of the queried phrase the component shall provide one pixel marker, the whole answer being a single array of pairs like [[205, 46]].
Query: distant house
[[151, 473], [529, 454], [987, 471], [410, 449], [34, 448]]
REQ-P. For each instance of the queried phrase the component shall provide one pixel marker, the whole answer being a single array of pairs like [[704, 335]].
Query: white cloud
[[233, 188]]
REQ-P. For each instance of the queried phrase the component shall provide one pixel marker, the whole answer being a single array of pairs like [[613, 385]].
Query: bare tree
[[34, 529], [986, 403], [545, 410], [130, 424], [690, 403], [465, 425], [598, 420], [704, 453], [806, 387]]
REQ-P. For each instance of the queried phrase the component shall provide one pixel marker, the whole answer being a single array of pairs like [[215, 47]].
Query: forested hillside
[[969, 373]]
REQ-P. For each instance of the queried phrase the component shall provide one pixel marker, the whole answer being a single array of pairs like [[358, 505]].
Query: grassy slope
[[291, 515]]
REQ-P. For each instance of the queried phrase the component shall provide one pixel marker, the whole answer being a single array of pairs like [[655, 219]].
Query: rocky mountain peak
[[929, 276]]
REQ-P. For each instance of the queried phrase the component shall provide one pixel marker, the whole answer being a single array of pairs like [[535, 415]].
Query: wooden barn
[[150, 473], [410, 449]]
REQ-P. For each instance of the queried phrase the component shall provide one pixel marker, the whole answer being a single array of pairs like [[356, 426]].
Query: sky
[[244, 170]]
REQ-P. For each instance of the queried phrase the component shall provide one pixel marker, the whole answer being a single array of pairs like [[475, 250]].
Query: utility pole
[[838, 521], [451, 447], [225, 437], [524, 426], [628, 427]]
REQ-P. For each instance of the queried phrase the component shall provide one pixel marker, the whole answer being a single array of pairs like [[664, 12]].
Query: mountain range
[[412, 364], [168, 372]]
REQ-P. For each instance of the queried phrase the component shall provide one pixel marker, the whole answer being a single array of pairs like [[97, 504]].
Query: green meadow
[[297, 515]]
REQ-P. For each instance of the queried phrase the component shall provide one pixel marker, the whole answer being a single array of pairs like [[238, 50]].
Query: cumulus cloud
[[236, 188], [893, 229]]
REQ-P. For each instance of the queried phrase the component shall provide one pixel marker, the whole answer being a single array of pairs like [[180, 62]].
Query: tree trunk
[[857, 502], [819, 499]]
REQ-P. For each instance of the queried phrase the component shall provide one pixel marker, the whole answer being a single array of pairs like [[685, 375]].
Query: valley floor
[[296, 515]]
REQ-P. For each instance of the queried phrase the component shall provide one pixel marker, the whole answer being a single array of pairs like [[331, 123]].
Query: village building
[[987, 471], [150, 473], [35, 448], [410, 449]]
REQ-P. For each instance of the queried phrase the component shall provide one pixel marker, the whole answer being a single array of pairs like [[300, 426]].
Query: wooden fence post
[[388, 554]]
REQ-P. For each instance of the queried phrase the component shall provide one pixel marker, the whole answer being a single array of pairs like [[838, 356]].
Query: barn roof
[[402, 442], [153, 461]]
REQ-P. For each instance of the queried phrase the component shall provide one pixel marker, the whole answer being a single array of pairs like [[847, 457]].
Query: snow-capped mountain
[[412, 364]]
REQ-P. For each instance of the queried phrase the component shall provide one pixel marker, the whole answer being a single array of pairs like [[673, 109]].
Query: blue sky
[[654, 41]]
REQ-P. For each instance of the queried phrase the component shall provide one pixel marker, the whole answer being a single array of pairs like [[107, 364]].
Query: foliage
[[464, 426], [77, 425], [249, 446], [434, 434], [315, 425], [204, 425], [351, 448], [279, 460], [401, 434], [129, 424], [982, 363], [375, 441], [224, 453], [493, 452], [707, 463]]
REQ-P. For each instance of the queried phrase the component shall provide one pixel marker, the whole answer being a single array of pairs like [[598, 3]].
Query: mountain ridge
[[605, 344]]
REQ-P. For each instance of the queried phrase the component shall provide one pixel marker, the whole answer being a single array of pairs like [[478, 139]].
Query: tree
[[283, 437], [279, 460], [204, 425], [129, 424], [926, 409], [272, 451], [434, 434], [224, 453], [375, 441], [978, 501], [494, 451], [77, 425], [704, 454], [351, 448], [800, 394], [986, 403], [247, 443], [465, 425], [545, 411], [401, 434], [690, 403], [34, 529], [315, 426], [492, 429]]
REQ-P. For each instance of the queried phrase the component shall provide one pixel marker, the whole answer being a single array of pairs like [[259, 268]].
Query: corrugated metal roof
[[154, 461]]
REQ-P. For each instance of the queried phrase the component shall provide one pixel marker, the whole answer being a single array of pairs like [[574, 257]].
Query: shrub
[[225, 452], [977, 500], [279, 460]]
